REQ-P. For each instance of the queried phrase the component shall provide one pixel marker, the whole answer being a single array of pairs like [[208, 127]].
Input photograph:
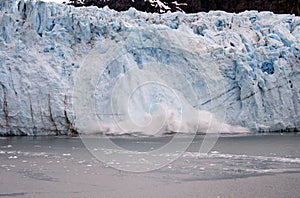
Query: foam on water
[[242, 157]]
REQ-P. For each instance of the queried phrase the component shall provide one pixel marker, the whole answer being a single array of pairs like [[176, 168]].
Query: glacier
[[65, 70]]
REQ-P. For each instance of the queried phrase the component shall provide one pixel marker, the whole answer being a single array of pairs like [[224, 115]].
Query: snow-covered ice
[[179, 72]]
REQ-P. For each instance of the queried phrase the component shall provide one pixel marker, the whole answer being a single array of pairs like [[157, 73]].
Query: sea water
[[32, 164], [232, 155]]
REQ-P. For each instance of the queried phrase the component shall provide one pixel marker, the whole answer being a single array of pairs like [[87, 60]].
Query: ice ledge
[[43, 45]]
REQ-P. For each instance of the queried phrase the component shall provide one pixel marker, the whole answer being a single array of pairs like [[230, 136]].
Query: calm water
[[30, 166]]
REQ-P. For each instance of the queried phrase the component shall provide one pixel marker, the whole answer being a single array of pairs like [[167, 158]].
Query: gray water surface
[[62, 166]]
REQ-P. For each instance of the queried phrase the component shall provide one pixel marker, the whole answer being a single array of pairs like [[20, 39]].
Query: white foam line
[[271, 170], [233, 156]]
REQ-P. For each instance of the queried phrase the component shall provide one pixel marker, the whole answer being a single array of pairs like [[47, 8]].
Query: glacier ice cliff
[[242, 69]]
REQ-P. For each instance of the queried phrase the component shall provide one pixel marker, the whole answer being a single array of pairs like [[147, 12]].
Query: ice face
[[240, 68]]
